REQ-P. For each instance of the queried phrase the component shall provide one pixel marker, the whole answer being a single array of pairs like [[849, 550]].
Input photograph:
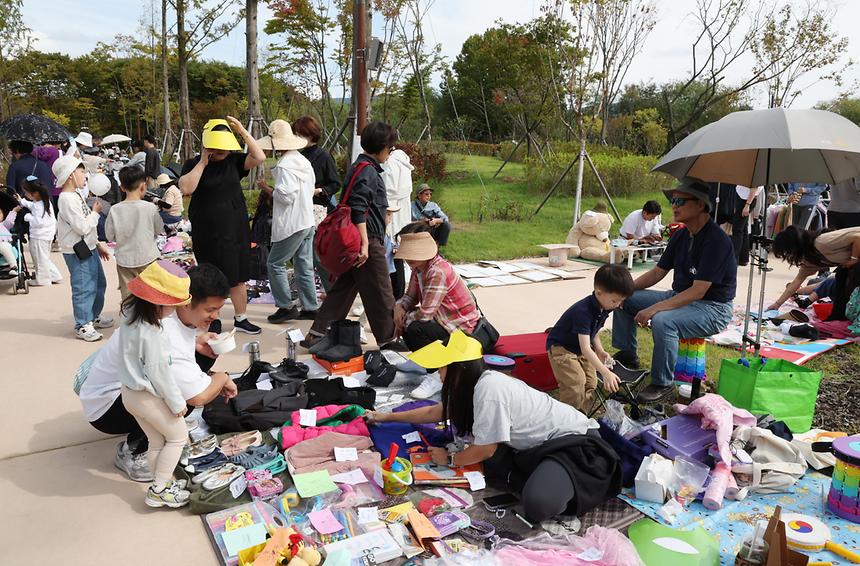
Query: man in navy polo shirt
[[703, 287]]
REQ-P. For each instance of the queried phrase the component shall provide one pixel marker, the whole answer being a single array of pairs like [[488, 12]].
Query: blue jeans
[[699, 319], [168, 218], [300, 248], [88, 287]]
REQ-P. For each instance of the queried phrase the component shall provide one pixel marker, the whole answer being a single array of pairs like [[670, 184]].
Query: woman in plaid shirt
[[437, 302]]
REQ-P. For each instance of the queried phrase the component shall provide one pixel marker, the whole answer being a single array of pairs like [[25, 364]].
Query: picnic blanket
[[736, 520]]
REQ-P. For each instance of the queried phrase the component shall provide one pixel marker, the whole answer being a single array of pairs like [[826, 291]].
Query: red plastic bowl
[[822, 310]]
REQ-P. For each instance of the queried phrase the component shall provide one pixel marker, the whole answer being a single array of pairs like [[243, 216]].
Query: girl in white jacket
[[293, 226], [43, 226]]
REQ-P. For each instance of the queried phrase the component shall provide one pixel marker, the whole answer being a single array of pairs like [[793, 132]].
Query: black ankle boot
[[327, 341], [348, 343]]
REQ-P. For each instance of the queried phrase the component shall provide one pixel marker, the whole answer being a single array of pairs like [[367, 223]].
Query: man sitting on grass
[[426, 211], [703, 287]]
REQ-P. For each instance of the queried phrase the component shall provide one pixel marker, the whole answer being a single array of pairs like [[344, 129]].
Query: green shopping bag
[[778, 387]]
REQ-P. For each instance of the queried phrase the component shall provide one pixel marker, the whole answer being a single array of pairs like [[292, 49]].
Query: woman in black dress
[[219, 217]]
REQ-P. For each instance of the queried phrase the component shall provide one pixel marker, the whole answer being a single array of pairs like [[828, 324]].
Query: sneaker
[[88, 334], [283, 315], [103, 322], [172, 496], [308, 315], [653, 393], [135, 467], [431, 385], [246, 326]]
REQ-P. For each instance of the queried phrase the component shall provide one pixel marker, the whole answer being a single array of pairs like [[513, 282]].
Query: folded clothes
[[318, 454]]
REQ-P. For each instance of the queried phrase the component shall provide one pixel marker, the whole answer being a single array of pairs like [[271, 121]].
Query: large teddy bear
[[590, 237]]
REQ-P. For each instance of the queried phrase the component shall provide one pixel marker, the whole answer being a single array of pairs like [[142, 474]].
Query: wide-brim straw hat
[[164, 180], [460, 348], [419, 246], [282, 138], [162, 283], [219, 139]]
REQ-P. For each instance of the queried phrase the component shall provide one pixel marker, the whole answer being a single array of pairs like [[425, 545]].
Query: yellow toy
[[285, 547]]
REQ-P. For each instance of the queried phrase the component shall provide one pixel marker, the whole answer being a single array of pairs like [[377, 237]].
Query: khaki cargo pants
[[576, 378]]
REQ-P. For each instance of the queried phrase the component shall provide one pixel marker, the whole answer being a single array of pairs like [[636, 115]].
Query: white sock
[[241, 317]]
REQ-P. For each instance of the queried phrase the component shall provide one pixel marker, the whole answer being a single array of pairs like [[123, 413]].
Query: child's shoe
[[172, 496], [88, 334]]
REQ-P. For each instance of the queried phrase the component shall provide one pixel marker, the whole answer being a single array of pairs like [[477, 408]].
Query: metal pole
[[579, 173], [603, 187], [555, 185], [359, 83]]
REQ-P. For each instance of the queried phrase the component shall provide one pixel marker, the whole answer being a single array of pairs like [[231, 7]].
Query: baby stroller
[[21, 280]]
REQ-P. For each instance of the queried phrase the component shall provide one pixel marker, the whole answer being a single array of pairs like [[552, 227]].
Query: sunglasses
[[679, 201]]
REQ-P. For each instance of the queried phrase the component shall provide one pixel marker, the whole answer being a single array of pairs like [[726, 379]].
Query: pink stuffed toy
[[720, 415]]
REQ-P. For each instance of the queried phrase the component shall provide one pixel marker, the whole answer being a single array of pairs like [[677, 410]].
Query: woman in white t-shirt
[[560, 461]]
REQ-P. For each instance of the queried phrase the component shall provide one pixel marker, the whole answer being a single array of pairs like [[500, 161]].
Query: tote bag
[[772, 386]]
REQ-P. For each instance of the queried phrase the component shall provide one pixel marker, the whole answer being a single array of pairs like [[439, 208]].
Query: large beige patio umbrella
[[764, 147]]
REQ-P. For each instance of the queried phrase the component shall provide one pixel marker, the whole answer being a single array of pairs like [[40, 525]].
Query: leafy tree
[[16, 42]]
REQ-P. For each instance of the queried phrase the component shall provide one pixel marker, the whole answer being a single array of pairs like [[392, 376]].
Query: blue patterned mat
[[736, 520]]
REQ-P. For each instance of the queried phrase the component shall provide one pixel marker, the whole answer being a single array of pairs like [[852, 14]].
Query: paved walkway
[[65, 503]]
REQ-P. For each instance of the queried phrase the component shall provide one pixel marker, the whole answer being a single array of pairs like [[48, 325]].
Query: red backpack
[[338, 241]]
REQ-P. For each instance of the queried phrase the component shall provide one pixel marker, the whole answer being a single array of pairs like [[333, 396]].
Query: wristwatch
[[451, 463]]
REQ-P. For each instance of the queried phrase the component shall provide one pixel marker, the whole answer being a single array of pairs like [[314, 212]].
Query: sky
[[69, 28]]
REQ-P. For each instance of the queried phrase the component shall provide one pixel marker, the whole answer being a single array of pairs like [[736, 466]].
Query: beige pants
[[576, 378], [126, 274], [166, 432]]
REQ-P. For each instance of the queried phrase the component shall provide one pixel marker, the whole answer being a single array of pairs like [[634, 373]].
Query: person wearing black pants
[[745, 201], [557, 462], [191, 360]]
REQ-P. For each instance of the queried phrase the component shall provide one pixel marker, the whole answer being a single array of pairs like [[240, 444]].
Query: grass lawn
[[509, 196]]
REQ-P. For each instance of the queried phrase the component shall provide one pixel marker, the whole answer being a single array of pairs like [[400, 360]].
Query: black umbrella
[[34, 129]]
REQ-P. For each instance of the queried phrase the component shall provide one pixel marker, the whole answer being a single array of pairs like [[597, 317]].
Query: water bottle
[[253, 352]]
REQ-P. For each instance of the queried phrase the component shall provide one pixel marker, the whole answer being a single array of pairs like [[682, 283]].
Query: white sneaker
[[103, 322], [172, 496], [135, 467], [430, 386], [89, 334]]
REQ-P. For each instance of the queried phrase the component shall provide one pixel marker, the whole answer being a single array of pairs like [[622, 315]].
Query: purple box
[[681, 435]]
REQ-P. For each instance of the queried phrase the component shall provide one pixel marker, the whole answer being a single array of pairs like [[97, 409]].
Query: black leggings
[[548, 491]]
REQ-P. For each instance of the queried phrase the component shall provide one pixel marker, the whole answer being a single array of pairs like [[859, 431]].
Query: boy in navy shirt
[[575, 352]]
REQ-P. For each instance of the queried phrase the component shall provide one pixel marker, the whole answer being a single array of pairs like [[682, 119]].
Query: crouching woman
[[527, 441]]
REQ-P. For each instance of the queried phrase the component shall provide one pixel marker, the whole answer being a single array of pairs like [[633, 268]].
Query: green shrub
[[428, 161], [556, 147], [467, 148], [623, 176]]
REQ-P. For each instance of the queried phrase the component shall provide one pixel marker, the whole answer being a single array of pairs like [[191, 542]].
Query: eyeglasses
[[31, 178], [679, 201]]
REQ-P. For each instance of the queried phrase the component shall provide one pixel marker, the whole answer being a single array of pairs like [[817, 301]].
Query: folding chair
[[631, 379]]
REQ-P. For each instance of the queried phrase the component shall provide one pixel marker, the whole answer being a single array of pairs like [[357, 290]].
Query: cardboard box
[[348, 367], [653, 478]]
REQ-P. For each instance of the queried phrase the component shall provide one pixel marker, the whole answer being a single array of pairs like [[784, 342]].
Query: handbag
[[338, 241], [484, 332], [773, 386], [82, 250], [776, 464]]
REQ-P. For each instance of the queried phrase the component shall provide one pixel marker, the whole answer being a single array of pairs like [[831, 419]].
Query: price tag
[[395, 397], [377, 476], [296, 335], [412, 437], [345, 454], [590, 554], [307, 417], [238, 486], [350, 381], [476, 480], [368, 515]]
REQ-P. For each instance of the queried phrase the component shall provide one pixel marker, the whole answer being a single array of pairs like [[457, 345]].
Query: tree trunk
[[254, 114], [165, 87], [184, 103]]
